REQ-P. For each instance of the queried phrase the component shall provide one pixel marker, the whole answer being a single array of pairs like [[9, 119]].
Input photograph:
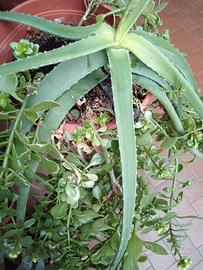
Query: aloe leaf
[[62, 78], [61, 30], [127, 22], [77, 49], [142, 70], [55, 116], [172, 53], [158, 92], [123, 102], [157, 61]]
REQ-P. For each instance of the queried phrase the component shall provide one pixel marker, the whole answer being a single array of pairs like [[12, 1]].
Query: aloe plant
[[164, 70]]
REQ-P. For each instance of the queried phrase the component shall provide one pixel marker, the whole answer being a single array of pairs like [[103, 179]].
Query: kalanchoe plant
[[133, 56], [24, 48]]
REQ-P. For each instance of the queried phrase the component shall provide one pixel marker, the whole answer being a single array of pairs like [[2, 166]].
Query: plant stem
[[84, 17], [68, 223], [170, 206], [196, 217], [148, 154], [11, 138], [25, 190], [174, 183]]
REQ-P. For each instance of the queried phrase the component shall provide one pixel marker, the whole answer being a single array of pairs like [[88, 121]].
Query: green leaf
[[97, 192], [172, 53], [145, 139], [54, 28], [44, 105], [20, 179], [46, 148], [127, 21], [86, 216], [168, 143], [74, 50], [32, 116], [29, 223], [141, 70], [147, 200], [65, 75], [156, 248], [13, 233], [97, 159], [145, 50], [158, 92], [49, 165], [130, 263], [104, 255], [135, 247], [123, 103], [160, 7], [169, 216], [73, 194], [91, 176], [59, 210], [115, 239], [26, 241], [25, 191], [8, 85]]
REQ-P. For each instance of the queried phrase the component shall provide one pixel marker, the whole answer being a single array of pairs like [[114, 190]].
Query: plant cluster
[[94, 176]]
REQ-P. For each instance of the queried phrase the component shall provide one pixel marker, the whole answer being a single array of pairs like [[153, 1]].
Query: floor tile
[[198, 267]]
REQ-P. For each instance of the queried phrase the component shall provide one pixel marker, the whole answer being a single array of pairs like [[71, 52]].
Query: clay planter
[[9, 4], [64, 11]]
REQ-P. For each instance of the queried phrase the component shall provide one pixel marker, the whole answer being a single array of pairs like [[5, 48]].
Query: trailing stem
[[11, 138]]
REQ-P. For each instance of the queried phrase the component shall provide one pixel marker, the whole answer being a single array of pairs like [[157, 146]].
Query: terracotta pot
[[65, 11], [9, 4]]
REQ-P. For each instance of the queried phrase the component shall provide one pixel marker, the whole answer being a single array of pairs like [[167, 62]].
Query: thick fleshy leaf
[[123, 103], [65, 75], [156, 248], [158, 92], [140, 69], [161, 64], [133, 10], [44, 105], [172, 53], [61, 30], [77, 49]]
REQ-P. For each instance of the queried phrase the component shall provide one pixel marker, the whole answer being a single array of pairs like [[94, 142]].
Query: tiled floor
[[184, 18]]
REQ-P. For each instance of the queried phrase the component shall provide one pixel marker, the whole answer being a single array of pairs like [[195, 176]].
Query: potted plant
[[132, 56]]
